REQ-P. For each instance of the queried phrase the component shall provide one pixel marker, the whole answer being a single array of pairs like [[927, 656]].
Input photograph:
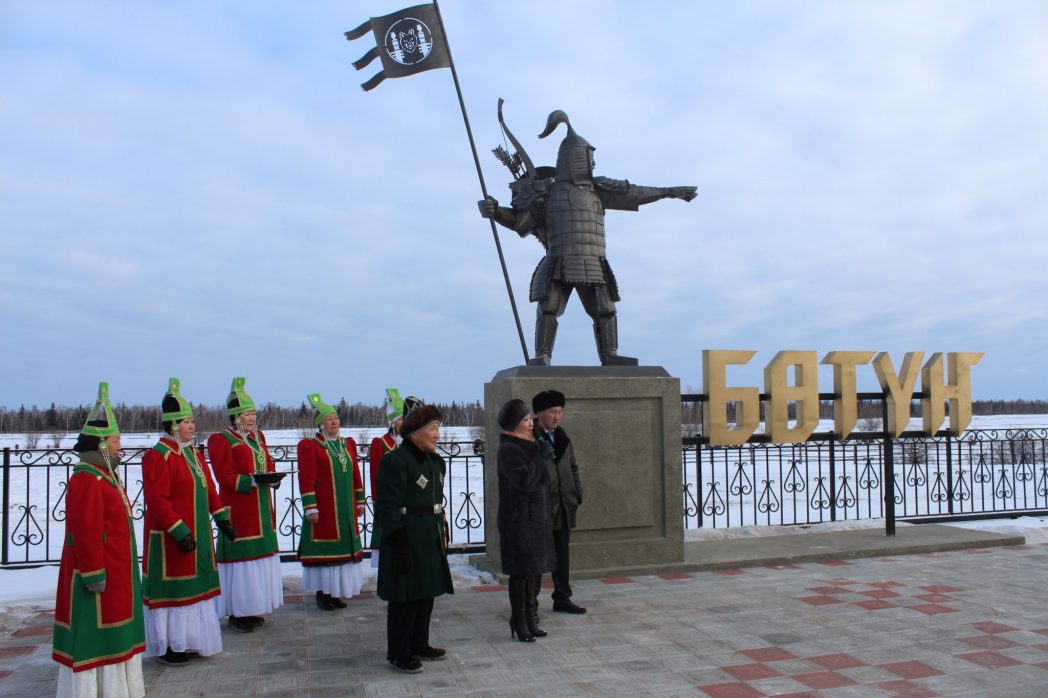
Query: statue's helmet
[[575, 157]]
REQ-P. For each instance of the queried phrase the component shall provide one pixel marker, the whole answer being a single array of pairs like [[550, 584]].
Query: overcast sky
[[202, 190]]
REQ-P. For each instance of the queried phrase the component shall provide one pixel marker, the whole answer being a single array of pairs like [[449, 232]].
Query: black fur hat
[[547, 399], [512, 413]]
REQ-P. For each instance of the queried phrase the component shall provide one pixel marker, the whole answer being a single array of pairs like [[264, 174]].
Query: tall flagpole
[[483, 186]]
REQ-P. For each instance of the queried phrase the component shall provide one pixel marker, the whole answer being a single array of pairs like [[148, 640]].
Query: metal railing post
[[949, 473], [7, 505], [698, 483], [833, 481], [888, 458]]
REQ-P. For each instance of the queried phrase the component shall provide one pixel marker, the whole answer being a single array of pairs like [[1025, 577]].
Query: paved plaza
[[962, 622]]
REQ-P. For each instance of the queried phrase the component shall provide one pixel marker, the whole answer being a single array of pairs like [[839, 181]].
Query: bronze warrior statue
[[564, 208]]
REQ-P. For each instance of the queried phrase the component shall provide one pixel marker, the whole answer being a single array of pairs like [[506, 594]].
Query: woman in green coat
[[413, 563]]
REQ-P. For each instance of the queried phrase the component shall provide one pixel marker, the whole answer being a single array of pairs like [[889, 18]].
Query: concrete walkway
[[933, 612]]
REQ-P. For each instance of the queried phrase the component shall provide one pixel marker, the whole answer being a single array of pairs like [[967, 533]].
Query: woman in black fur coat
[[525, 531]]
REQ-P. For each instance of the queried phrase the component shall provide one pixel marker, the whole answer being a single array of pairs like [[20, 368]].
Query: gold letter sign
[[747, 400], [958, 392], [804, 393]]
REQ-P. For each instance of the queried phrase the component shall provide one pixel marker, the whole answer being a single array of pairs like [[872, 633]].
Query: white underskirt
[[252, 588], [341, 581], [123, 680], [181, 628], [374, 559]]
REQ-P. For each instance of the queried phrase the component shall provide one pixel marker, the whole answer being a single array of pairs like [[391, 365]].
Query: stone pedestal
[[624, 423]]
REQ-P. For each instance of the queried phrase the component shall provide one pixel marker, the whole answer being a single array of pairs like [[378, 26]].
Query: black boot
[[531, 607], [518, 627], [324, 602]]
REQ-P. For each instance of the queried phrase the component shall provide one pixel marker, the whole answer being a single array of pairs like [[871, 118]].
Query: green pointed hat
[[394, 404], [101, 412], [320, 408], [174, 407], [238, 401]]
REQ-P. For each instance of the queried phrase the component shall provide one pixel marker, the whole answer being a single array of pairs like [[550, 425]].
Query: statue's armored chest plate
[[574, 220]]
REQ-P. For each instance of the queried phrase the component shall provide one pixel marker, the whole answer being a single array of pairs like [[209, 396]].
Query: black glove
[[227, 529], [403, 556], [187, 544]]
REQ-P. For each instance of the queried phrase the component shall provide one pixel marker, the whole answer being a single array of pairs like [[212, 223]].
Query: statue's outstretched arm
[[621, 195]]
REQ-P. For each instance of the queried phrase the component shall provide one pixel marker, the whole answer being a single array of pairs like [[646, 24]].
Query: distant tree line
[[139, 418], [691, 412]]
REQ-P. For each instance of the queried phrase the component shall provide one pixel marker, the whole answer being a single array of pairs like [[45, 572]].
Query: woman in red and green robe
[[333, 497], [98, 634], [179, 574], [249, 567]]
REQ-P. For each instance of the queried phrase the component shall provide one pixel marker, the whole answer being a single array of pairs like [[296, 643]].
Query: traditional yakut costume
[[380, 446], [332, 496], [179, 575], [98, 632], [248, 568]]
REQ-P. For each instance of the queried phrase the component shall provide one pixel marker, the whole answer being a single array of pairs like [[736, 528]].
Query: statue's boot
[[606, 330], [545, 335]]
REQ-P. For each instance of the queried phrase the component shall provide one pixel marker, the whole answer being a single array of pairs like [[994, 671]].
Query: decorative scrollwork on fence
[[283, 453], [740, 481], [916, 477], [367, 528], [468, 517], [768, 502], [138, 506], [1023, 471], [713, 504], [1042, 483], [846, 496], [27, 530], [48, 457], [58, 510], [982, 473], [962, 491], [870, 477], [451, 449], [291, 522], [820, 495], [938, 493], [794, 482], [899, 496], [1026, 434], [691, 507], [1004, 489]]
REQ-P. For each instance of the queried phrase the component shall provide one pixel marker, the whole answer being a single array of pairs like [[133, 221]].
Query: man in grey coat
[[565, 493]]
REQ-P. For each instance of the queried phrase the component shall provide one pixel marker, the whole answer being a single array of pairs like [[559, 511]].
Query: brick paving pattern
[[911, 626]]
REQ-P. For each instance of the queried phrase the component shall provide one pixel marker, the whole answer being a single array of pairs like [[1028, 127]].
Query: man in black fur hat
[[565, 492]]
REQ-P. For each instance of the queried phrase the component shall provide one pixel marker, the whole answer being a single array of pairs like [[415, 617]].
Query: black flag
[[408, 42]]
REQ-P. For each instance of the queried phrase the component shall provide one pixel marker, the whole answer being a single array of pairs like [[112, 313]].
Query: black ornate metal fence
[[34, 484], [983, 473]]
